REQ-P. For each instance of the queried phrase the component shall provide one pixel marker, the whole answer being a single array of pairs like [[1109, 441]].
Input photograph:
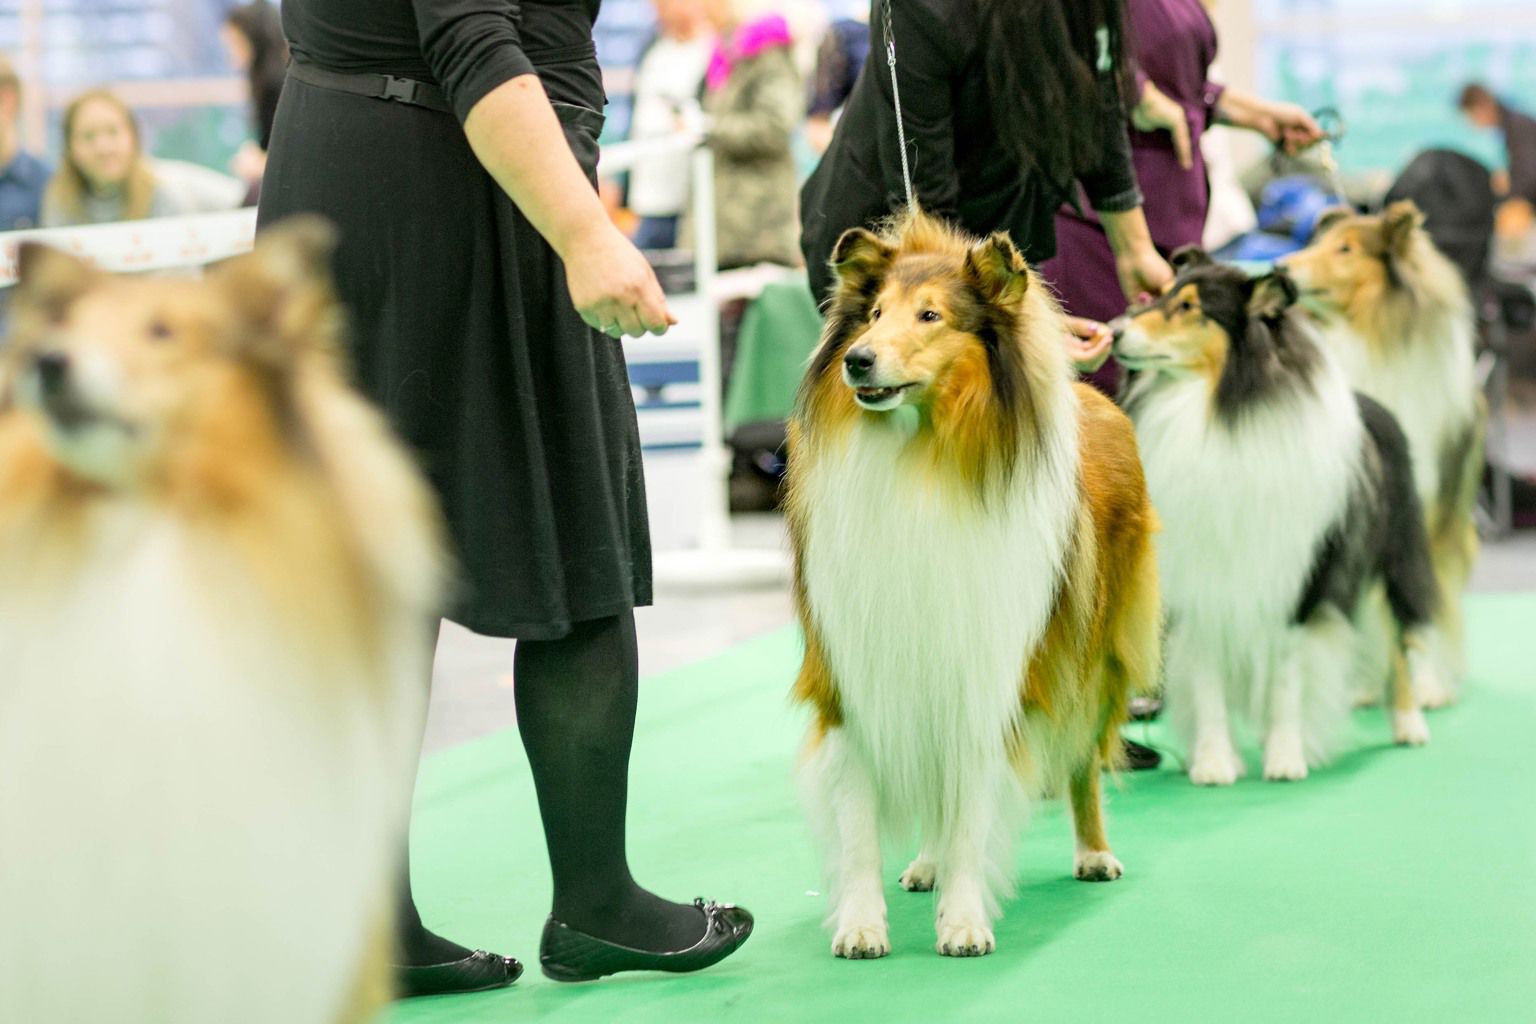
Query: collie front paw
[[1434, 694], [1409, 729], [1216, 765], [919, 876], [965, 938], [861, 942], [1285, 760], [1096, 866]]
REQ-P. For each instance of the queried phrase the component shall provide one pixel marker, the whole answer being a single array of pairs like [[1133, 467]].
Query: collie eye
[[929, 316], [159, 330], [1186, 306], [1346, 249], [874, 314]]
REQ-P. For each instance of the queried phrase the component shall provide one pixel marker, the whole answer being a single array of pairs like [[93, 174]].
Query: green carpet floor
[[1395, 886]]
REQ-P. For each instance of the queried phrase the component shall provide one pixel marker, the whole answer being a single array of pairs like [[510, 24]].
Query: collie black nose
[[1116, 330], [52, 370], [859, 361]]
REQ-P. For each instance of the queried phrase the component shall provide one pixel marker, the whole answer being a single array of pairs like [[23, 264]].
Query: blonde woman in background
[[104, 175]]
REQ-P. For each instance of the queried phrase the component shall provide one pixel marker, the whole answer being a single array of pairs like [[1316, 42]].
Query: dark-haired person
[[253, 38], [454, 145], [1485, 110], [1173, 43], [1007, 106]]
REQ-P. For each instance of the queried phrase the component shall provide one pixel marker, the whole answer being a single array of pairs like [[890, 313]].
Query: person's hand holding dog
[[1156, 112]]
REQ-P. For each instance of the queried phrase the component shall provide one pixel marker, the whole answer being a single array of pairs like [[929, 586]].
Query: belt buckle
[[401, 90]]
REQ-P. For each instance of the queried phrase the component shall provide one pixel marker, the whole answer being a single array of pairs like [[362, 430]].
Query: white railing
[[166, 243]]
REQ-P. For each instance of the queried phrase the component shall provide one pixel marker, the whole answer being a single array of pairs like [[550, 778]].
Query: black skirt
[[464, 334]]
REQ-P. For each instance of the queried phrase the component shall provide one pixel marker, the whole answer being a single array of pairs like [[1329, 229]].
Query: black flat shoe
[[1140, 758], [478, 972], [566, 954]]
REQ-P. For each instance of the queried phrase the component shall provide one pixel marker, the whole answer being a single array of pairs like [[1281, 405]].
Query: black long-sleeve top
[[468, 47], [960, 168]]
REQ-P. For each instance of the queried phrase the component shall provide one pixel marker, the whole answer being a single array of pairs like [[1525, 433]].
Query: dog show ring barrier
[[676, 378]]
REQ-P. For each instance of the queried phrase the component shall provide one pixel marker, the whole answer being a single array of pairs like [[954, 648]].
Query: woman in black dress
[[1008, 105], [454, 143]]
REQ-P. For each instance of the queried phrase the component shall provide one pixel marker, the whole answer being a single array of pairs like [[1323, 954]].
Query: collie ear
[[1188, 256], [1328, 218], [997, 269], [282, 290], [49, 280], [1271, 295], [860, 258], [1398, 224]]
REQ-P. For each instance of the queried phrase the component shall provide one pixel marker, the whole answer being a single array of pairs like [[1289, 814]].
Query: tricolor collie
[[1286, 501], [1396, 312], [975, 577], [217, 574]]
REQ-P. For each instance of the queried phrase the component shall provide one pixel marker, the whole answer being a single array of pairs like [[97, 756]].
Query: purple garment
[[1174, 43]]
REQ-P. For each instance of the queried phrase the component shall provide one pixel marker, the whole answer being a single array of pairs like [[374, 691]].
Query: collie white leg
[[1433, 668], [845, 789], [1285, 752], [1409, 728], [1214, 760], [1092, 861], [920, 874], [964, 925]]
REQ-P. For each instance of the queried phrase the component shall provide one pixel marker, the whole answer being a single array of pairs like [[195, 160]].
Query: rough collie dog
[[217, 577], [1286, 499], [974, 573], [1396, 312]]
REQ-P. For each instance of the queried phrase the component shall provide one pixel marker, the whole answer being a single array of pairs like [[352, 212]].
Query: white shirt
[[667, 85]]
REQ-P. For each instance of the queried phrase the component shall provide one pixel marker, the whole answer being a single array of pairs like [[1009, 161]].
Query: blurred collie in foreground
[[217, 578]]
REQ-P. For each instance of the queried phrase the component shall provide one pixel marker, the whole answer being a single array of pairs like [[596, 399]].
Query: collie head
[[1240, 335], [1380, 273], [953, 335], [121, 374]]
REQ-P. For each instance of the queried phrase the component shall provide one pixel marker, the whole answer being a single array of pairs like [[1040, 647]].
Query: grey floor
[[472, 686]]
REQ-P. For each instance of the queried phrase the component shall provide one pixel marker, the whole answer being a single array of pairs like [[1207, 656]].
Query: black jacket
[[960, 169]]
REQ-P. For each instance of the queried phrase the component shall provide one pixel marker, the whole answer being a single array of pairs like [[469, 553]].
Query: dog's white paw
[[1409, 729], [861, 942], [1096, 866], [1285, 760], [919, 876], [965, 936], [1215, 764], [1434, 694]]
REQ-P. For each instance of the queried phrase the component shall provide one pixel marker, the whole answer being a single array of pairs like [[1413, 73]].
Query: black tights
[[576, 700]]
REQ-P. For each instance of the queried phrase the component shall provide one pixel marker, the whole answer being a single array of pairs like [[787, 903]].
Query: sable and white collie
[[1397, 314], [974, 573], [217, 578], [1287, 500]]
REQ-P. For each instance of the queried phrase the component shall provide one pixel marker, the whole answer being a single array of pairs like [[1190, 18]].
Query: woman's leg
[[576, 702]]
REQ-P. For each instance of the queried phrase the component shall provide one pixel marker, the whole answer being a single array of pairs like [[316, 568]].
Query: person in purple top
[[1173, 43]]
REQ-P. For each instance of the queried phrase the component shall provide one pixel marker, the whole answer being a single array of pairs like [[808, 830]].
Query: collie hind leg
[[1092, 861], [1409, 729], [921, 873], [842, 793]]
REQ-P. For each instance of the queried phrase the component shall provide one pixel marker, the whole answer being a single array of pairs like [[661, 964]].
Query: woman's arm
[[516, 136], [474, 48], [1284, 124]]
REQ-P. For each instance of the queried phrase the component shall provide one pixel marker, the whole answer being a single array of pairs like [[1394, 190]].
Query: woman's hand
[[613, 287], [1088, 343], [1143, 272], [1156, 112], [1289, 127]]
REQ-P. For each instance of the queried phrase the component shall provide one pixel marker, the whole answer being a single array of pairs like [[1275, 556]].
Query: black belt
[[379, 87]]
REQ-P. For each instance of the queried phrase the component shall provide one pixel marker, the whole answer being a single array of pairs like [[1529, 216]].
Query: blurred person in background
[[488, 290], [841, 56], [1007, 104], [104, 175], [754, 102], [669, 81], [1517, 184], [1172, 44], [252, 35], [23, 177]]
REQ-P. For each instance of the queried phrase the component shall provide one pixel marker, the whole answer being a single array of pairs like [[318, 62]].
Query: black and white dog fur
[[1288, 507]]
